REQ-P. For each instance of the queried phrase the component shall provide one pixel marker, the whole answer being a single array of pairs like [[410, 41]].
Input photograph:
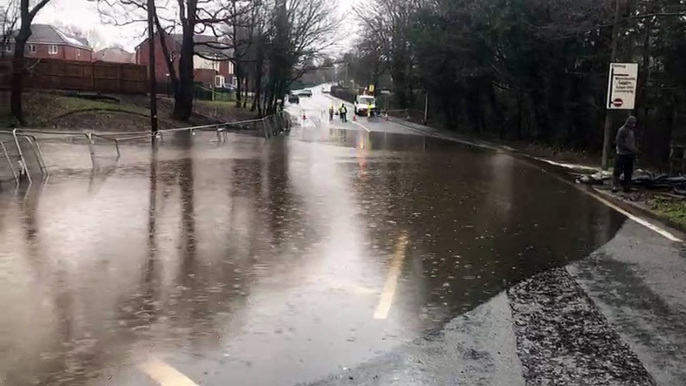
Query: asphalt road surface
[[343, 254], [315, 109]]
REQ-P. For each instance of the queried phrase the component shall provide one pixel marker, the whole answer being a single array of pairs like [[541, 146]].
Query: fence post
[[116, 144], [89, 136], [92, 76], [120, 79]]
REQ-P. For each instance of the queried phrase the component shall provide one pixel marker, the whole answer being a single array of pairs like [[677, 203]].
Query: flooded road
[[270, 262]]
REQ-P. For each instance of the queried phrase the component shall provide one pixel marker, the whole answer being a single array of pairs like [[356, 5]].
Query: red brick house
[[212, 64], [113, 55], [48, 42]]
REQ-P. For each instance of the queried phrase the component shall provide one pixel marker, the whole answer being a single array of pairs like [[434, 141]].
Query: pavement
[[343, 254]]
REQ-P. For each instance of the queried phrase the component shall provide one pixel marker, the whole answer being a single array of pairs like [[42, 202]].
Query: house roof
[[114, 54], [206, 45], [47, 34]]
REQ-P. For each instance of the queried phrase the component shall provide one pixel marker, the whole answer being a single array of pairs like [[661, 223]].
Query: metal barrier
[[24, 157], [8, 173]]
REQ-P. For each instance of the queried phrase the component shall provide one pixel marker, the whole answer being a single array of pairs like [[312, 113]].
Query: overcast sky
[[84, 14]]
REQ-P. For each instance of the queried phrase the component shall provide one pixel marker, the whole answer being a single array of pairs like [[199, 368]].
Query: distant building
[[48, 42], [114, 55], [211, 63]]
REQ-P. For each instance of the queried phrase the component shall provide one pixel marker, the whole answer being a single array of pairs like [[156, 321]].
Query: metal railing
[[29, 155], [7, 159]]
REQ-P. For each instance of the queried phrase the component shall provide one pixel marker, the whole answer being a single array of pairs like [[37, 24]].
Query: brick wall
[[161, 70], [63, 52]]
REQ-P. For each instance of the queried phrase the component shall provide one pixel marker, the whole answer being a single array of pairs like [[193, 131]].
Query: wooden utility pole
[[607, 136], [152, 66]]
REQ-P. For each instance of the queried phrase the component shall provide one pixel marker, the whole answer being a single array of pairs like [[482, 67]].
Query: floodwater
[[269, 262]]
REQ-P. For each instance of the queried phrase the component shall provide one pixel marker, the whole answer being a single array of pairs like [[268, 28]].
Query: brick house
[[212, 65], [113, 55], [48, 42]]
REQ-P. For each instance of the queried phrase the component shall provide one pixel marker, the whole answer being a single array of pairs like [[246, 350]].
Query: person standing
[[626, 154], [343, 111]]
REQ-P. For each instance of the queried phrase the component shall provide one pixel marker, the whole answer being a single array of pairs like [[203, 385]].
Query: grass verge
[[672, 208]]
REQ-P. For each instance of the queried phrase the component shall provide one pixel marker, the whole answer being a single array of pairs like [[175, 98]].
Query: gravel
[[563, 339]]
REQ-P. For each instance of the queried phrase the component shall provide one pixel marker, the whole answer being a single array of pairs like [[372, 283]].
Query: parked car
[[293, 98], [305, 93]]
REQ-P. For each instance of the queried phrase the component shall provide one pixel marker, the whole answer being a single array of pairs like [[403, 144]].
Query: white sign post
[[621, 93]]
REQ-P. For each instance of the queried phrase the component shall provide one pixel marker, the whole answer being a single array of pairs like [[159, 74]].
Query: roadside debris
[[644, 179]]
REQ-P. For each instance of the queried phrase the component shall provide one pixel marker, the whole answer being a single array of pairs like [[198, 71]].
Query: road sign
[[371, 88], [621, 93]]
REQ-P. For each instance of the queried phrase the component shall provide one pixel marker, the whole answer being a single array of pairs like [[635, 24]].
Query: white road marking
[[637, 219], [164, 374], [362, 126], [389, 289], [597, 195], [564, 165]]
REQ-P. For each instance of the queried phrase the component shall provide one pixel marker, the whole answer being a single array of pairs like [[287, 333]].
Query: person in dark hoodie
[[626, 154]]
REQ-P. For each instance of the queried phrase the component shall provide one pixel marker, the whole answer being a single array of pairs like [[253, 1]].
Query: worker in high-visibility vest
[[344, 112], [369, 110]]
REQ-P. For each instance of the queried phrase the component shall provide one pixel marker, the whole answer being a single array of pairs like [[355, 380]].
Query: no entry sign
[[621, 94]]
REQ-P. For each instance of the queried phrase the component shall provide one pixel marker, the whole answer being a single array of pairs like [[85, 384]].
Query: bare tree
[[389, 24], [271, 39], [191, 18], [27, 14], [9, 16], [302, 29]]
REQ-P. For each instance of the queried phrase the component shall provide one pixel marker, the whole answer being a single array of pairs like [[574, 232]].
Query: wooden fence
[[54, 74]]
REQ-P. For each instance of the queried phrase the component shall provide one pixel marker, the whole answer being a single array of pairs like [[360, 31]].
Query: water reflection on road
[[270, 262]]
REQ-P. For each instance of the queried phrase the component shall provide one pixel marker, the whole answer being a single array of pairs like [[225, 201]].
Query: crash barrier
[[21, 156], [9, 161]]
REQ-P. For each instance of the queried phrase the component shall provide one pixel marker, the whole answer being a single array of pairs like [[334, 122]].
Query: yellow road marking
[[389, 289], [164, 374]]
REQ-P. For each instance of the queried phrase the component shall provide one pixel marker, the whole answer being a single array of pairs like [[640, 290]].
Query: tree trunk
[[257, 92], [183, 98], [237, 69], [259, 68], [247, 83], [19, 72]]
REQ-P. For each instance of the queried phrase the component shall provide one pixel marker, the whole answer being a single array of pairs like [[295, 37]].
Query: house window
[[52, 50], [31, 48], [218, 81]]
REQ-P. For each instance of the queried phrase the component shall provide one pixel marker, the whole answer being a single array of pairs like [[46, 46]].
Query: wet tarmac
[[270, 262]]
